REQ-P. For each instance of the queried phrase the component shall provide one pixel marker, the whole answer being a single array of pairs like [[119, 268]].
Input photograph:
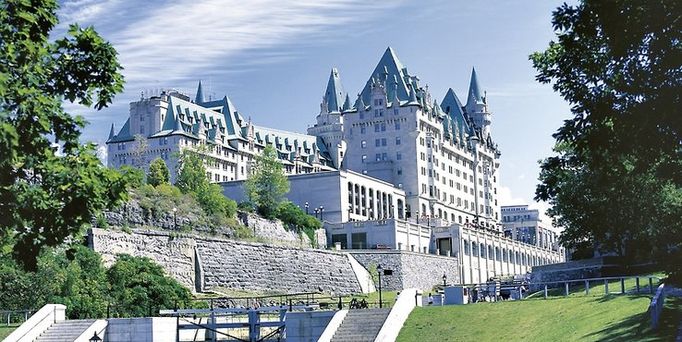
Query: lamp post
[[322, 213], [306, 208], [95, 338], [317, 210], [175, 218], [380, 270], [445, 281]]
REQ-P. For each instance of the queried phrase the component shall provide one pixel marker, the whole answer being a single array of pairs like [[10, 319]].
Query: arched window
[[483, 251], [466, 247]]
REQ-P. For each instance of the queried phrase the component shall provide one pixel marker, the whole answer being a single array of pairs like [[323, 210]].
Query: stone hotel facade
[[393, 168]]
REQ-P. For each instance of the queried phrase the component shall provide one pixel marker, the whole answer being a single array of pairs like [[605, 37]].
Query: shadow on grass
[[638, 327]]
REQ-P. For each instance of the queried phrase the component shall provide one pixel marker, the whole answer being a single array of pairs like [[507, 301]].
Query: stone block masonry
[[260, 267], [410, 269], [202, 263]]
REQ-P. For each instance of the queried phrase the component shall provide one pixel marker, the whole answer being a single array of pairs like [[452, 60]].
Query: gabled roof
[[389, 70], [333, 95]]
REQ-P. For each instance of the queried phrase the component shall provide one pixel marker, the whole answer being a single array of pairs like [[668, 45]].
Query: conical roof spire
[[387, 70], [346, 103], [359, 104], [333, 95], [474, 90], [199, 99], [111, 132]]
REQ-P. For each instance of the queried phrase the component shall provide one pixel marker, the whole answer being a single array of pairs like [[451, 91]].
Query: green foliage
[[267, 184], [101, 221], [245, 206], [192, 180], [191, 172], [138, 284], [615, 182], [158, 173], [293, 216], [48, 197], [76, 278], [134, 177]]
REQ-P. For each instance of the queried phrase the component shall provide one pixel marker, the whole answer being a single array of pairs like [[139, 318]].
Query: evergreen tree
[[46, 196], [267, 184], [158, 173]]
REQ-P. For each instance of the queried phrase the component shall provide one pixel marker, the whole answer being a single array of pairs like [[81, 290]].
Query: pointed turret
[[111, 132], [346, 103], [333, 96], [359, 104], [199, 99], [177, 125], [474, 96]]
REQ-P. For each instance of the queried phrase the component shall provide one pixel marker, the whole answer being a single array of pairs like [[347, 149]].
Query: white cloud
[[102, 154], [164, 44], [505, 197]]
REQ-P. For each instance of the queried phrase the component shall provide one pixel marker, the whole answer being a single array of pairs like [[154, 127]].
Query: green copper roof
[[199, 99], [333, 96], [392, 74], [474, 90], [453, 108], [123, 134]]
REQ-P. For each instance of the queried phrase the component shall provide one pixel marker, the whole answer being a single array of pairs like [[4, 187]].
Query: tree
[[615, 183], [138, 285], [192, 179], [158, 173], [191, 172], [46, 197], [267, 184]]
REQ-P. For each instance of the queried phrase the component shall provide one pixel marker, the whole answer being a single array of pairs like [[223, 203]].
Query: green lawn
[[6, 330], [611, 318]]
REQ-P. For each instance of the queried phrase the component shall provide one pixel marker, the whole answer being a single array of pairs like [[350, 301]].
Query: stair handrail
[[28, 326]]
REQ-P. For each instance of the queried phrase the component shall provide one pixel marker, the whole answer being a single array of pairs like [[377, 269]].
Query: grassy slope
[[6, 330], [612, 318]]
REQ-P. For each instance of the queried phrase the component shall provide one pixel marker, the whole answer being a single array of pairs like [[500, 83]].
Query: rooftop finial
[[111, 132]]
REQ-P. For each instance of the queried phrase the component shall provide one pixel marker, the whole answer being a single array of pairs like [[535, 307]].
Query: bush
[[293, 216], [139, 286], [133, 176], [158, 172]]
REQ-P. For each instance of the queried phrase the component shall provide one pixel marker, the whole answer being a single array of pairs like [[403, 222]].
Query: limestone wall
[[232, 264], [260, 267], [410, 270], [174, 254]]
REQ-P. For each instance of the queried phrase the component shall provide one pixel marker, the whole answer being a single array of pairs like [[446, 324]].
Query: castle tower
[[329, 125], [477, 106]]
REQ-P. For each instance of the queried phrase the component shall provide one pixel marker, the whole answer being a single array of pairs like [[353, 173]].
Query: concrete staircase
[[361, 325], [65, 331]]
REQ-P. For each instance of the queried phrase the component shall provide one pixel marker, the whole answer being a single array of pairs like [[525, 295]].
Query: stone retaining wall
[[232, 264], [410, 270]]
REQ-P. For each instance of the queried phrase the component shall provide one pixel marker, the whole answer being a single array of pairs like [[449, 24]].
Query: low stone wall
[[580, 269], [202, 263], [410, 269]]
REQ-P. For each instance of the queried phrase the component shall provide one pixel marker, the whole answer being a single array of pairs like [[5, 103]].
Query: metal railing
[[15, 316]]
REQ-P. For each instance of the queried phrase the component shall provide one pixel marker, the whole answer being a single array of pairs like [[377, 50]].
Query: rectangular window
[[398, 156], [376, 128], [397, 141], [378, 157], [383, 127], [363, 144], [377, 142], [384, 156], [363, 130], [397, 126], [364, 158], [383, 142]]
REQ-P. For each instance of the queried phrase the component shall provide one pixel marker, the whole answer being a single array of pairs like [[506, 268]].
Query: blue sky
[[273, 59]]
